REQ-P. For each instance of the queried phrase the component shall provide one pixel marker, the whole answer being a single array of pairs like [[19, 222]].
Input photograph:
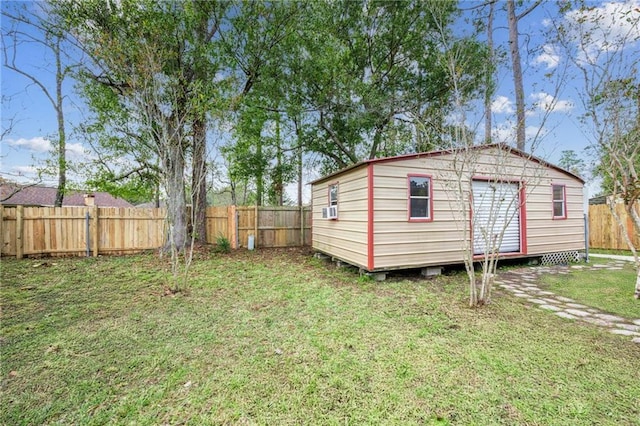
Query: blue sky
[[33, 122]]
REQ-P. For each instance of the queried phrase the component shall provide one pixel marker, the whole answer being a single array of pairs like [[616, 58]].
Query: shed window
[[420, 198], [559, 202], [333, 194]]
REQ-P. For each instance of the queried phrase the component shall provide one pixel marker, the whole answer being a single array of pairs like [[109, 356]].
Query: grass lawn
[[608, 290], [277, 337], [608, 251]]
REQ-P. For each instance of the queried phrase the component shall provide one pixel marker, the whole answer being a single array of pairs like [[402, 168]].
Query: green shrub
[[223, 245]]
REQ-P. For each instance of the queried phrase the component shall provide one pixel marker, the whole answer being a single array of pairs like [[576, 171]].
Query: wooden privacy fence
[[604, 232], [270, 226], [80, 231]]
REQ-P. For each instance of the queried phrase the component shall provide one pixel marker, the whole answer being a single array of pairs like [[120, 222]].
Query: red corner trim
[[523, 219], [370, 242]]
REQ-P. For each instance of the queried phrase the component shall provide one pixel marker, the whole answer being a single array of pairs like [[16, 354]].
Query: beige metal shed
[[422, 210]]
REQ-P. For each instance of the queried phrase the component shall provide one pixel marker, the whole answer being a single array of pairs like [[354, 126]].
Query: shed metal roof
[[446, 152]]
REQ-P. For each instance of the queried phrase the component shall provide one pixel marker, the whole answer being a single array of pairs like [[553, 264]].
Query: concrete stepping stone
[[552, 301], [608, 317], [537, 301], [551, 308], [636, 340], [577, 266], [577, 306], [564, 299], [520, 294], [547, 293], [597, 321], [527, 277], [636, 321], [599, 266], [577, 312], [628, 327], [566, 315], [624, 332]]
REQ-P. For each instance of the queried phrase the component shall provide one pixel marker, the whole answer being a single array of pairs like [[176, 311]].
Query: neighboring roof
[[514, 151], [45, 196]]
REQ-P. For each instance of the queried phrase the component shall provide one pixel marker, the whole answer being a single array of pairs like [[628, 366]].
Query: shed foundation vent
[[562, 258]]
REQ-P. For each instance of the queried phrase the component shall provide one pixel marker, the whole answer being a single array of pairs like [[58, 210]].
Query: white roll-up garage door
[[496, 208]]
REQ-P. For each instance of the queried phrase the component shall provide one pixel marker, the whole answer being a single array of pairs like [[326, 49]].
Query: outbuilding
[[424, 210]]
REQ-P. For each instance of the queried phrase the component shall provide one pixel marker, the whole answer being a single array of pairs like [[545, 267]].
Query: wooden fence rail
[[604, 232], [81, 231]]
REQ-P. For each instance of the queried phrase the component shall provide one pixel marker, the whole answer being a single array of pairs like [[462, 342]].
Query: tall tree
[[145, 54], [513, 19], [489, 79], [26, 26], [375, 65], [176, 44], [261, 36]]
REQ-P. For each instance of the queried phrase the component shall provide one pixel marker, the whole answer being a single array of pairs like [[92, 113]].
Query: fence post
[[19, 232], [301, 226], [94, 231], [255, 227], [232, 226]]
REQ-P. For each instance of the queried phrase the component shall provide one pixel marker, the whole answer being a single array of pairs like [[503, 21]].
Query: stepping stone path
[[523, 284]]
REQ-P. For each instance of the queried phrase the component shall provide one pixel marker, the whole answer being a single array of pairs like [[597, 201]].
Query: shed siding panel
[[399, 243], [345, 238]]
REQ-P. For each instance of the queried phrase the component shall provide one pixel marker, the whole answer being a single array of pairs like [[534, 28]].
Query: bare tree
[[509, 176], [602, 45], [27, 27]]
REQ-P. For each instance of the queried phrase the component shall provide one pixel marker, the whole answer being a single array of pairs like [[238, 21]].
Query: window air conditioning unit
[[330, 212]]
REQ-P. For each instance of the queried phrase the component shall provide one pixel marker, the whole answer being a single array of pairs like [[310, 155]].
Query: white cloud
[[548, 57], [505, 132], [534, 132], [502, 105], [547, 103], [610, 27], [37, 144], [76, 149], [24, 170], [41, 145]]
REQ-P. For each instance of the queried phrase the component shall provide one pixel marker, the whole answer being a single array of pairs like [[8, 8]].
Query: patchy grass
[[607, 251], [276, 337], [611, 291]]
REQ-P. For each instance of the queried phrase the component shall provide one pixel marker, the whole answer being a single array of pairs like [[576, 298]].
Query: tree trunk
[[259, 173], [488, 87], [176, 207], [517, 74], [299, 138], [199, 180], [279, 184], [62, 136]]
